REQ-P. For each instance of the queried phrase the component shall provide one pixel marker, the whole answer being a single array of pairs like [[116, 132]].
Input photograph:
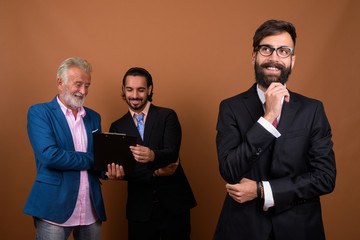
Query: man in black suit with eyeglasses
[[274, 150]]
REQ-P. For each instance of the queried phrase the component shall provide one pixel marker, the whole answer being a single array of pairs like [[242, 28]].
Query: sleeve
[[239, 147], [46, 143], [169, 151], [320, 176]]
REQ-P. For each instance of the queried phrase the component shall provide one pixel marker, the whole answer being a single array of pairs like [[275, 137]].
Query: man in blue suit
[[66, 195]]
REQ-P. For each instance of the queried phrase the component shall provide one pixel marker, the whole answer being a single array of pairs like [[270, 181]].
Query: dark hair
[[273, 27], [137, 71]]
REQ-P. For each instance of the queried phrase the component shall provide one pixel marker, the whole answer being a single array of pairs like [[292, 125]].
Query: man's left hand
[[142, 154], [244, 191]]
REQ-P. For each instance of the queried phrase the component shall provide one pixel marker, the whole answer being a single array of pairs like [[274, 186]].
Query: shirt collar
[[65, 110], [145, 111]]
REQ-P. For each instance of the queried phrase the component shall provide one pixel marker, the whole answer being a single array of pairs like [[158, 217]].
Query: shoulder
[[43, 107], [233, 99], [307, 101], [162, 113], [91, 112], [250, 93], [161, 110], [122, 119], [239, 101]]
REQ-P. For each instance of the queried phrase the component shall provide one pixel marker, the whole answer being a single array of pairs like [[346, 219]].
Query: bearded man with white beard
[[66, 195]]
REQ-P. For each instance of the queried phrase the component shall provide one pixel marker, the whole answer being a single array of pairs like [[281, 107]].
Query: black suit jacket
[[162, 134], [300, 166]]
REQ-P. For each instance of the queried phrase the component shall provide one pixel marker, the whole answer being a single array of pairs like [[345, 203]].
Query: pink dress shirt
[[84, 213]]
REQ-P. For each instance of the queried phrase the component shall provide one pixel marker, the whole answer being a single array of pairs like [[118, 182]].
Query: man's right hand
[[273, 95], [115, 172]]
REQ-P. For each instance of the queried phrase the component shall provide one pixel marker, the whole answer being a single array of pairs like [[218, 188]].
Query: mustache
[[272, 64], [77, 94], [135, 99]]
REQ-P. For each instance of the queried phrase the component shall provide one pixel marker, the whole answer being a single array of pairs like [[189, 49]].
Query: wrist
[[260, 190], [156, 173], [152, 159]]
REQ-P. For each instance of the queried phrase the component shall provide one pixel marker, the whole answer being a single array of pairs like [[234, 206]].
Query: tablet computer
[[113, 148]]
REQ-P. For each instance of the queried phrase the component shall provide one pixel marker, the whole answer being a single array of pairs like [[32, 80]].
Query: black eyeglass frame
[[274, 49]]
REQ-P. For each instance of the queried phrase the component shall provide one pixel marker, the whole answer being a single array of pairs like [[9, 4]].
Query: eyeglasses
[[283, 52]]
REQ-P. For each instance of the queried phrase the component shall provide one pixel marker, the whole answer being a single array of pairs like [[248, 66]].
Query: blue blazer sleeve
[[51, 140]]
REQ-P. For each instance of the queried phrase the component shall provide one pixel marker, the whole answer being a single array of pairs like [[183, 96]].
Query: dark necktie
[[140, 125]]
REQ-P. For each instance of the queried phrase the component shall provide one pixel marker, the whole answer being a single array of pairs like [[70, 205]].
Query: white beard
[[71, 100]]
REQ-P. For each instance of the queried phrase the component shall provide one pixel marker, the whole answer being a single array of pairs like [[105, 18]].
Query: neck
[[74, 110], [262, 88]]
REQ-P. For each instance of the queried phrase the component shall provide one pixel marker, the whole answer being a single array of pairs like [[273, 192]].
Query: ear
[[123, 89], [59, 84], [253, 56], [150, 90], [293, 57]]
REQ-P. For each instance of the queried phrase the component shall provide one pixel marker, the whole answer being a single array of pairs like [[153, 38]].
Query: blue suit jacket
[[55, 190]]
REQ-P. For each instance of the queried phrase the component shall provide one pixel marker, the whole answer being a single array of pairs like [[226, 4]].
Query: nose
[[83, 90], [135, 94], [274, 57]]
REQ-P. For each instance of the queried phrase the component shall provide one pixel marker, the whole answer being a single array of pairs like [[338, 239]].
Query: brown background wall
[[199, 52]]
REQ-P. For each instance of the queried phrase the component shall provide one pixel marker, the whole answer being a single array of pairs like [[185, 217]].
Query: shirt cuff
[[268, 126], [268, 196]]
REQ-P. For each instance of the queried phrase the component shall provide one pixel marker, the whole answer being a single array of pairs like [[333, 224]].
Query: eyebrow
[[269, 45], [128, 87]]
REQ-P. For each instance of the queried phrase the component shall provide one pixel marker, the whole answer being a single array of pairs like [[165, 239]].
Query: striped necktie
[[140, 124]]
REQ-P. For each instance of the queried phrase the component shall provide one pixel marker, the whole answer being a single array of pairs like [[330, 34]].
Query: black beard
[[133, 107], [264, 80]]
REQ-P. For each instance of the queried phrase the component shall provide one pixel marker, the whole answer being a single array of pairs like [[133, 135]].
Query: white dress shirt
[[268, 196]]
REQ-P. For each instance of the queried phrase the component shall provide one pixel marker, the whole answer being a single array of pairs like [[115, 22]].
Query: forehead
[[279, 40], [135, 82], [78, 74]]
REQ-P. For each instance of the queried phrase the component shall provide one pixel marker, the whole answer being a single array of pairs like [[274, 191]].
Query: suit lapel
[[150, 120], [89, 130], [132, 130], [288, 114], [253, 103], [60, 118]]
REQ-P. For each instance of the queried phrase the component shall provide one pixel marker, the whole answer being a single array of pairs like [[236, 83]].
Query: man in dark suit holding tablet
[[159, 195]]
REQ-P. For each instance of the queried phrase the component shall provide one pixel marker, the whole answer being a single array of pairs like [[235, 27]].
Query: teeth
[[273, 68]]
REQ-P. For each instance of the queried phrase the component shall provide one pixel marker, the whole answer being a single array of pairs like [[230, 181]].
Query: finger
[[120, 171], [230, 186], [108, 173], [108, 169], [237, 199], [287, 97], [113, 169]]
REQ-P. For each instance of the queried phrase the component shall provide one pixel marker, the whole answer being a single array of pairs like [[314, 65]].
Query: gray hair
[[72, 62]]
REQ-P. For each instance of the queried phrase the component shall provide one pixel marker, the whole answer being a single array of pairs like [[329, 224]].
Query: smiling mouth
[[272, 68]]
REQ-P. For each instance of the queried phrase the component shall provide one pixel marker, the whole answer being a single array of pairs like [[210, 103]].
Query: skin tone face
[[271, 71], [136, 92], [73, 94]]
